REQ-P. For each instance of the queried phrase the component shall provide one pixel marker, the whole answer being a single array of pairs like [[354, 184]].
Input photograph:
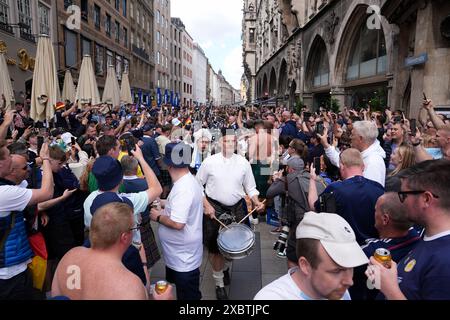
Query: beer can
[[161, 286], [383, 256]]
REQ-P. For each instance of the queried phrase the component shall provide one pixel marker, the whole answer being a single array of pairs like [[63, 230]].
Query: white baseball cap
[[335, 235], [67, 137]]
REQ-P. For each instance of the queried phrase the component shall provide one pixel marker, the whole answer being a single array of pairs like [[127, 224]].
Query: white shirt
[[227, 178], [285, 288], [13, 198], [373, 157], [139, 200], [183, 249]]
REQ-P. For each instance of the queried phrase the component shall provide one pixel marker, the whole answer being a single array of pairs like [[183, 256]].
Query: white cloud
[[232, 68], [217, 26]]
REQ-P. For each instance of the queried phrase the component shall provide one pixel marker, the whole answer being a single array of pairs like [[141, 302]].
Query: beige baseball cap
[[335, 235]]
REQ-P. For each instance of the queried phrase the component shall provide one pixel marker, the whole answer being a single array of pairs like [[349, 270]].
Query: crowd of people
[[84, 188]]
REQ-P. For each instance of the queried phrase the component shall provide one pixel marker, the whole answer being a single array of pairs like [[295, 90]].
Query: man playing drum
[[227, 178]]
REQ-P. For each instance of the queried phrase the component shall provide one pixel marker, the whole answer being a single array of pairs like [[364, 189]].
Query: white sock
[[218, 278]]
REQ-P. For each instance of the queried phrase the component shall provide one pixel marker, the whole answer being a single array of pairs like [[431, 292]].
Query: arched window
[[321, 68], [368, 56]]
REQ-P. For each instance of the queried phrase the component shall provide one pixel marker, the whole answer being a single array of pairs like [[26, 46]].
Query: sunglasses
[[135, 228], [402, 195]]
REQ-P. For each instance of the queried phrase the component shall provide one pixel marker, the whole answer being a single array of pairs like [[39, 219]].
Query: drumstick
[[248, 215], [223, 225]]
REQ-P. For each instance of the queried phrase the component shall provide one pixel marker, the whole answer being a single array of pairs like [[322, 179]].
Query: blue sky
[[216, 25]]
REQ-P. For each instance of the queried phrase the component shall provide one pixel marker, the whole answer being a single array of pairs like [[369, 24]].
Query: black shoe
[[226, 277], [221, 294]]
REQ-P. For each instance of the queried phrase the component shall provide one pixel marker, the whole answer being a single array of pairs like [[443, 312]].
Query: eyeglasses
[[135, 228], [403, 194]]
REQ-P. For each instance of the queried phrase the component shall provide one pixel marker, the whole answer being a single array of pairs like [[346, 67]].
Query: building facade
[[103, 34], [214, 98], [176, 75], [142, 70], [187, 76], [162, 41], [200, 65], [21, 21], [226, 91], [318, 50]]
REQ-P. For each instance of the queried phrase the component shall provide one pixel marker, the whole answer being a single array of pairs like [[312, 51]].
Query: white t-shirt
[[285, 288], [13, 198], [227, 179], [139, 200], [183, 249]]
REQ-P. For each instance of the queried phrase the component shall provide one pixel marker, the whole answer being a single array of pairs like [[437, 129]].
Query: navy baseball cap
[[148, 127], [106, 198], [178, 155], [108, 172]]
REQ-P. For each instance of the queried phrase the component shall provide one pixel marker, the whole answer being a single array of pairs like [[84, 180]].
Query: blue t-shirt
[[399, 248], [355, 202], [424, 274]]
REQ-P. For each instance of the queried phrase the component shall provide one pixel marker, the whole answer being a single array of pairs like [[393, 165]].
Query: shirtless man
[[102, 276]]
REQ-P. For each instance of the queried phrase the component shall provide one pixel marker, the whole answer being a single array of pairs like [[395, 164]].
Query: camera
[[281, 243]]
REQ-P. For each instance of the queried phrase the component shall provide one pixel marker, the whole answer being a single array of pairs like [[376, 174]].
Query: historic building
[[200, 65], [103, 34], [142, 70], [21, 22], [382, 52], [162, 25]]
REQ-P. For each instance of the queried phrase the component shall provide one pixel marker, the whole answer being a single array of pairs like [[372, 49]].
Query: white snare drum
[[236, 242]]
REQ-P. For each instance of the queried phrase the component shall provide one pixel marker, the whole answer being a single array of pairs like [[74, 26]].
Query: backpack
[[296, 209]]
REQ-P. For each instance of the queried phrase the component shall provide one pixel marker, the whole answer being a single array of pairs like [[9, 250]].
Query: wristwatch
[[416, 144], [158, 218]]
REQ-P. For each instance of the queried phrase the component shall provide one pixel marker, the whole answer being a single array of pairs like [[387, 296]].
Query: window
[[24, 7], [117, 31], [132, 38], [368, 56], [117, 6], [108, 25], [99, 59], [125, 37], [84, 10], [109, 58], [137, 17], [119, 67], [126, 65], [124, 8], [70, 49], [85, 47], [157, 57], [157, 16], [251, 37], [162, 40], [157, 37], [4, 11], [131, 9], [97, 21], [321, 68], [44, 19]]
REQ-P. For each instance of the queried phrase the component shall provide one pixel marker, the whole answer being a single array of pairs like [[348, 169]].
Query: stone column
[[339, 94]]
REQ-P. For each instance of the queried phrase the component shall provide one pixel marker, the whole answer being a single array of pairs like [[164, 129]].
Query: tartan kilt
[[149, 242]]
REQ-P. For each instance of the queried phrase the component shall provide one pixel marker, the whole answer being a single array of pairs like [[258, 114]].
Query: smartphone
[[424, 96], [131, 146], [413, 126], [73, 140], [319, 128], [40, 142], [317, 165]]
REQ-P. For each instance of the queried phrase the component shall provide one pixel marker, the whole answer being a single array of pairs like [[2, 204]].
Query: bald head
[[19, 169], [286, 116]]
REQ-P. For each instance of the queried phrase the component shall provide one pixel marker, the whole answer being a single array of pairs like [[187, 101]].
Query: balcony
[[141, 53], [5, 27], [26, 35]]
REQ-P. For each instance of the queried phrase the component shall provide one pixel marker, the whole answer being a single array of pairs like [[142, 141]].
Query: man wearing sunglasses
[[425, 271]]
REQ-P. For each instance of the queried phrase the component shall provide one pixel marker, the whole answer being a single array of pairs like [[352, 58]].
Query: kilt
[[211, 227], [149, 242]]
